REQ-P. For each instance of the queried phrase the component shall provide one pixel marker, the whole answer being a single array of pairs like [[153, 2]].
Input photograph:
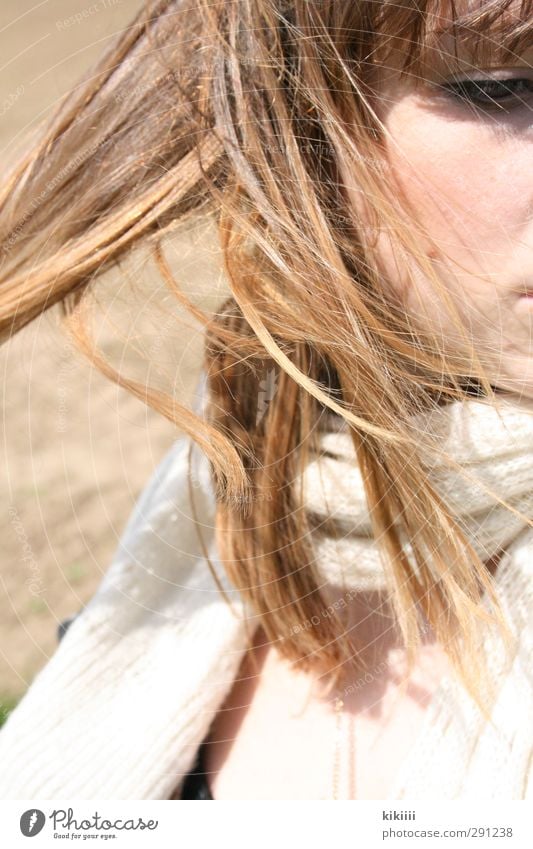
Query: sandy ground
[[77, 450]]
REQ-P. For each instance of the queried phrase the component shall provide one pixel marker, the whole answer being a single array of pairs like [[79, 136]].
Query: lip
[[524, 292], [524, 302]]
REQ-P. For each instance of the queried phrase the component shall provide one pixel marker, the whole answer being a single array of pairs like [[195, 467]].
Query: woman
[[355, 611]]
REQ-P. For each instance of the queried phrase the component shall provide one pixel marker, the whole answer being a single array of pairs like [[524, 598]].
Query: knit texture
[[121, 708]]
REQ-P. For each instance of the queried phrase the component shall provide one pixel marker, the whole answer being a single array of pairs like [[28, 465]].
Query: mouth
[[525, 292], [524, 300]]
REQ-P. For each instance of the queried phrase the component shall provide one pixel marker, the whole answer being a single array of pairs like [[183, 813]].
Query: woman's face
[[466, 167]]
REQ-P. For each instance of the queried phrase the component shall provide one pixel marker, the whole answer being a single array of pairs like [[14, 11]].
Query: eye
[[490, 92]]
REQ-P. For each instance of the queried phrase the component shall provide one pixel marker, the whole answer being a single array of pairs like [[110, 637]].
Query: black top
[[195, 785]]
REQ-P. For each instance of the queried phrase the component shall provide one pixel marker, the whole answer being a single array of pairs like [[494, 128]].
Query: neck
[[368, 618]]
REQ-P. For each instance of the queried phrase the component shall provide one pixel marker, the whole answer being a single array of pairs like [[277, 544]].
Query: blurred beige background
[[77, 450]]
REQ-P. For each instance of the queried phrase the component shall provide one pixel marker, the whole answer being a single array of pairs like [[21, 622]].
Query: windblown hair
[[259, 114]]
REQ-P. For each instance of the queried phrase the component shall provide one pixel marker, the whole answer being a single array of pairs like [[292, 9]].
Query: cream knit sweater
[[121, 708]]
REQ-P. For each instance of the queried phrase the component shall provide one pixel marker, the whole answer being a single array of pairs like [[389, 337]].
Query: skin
[[461, 171], [465, 171], [466, 176]]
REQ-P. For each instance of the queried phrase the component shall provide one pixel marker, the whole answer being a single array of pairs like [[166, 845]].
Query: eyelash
[[461, 90]]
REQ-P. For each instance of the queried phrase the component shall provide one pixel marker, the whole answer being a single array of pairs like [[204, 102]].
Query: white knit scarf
[[495, 445], [121, 708]]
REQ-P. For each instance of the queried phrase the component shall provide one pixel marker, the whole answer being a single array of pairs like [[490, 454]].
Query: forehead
[[444, 37], [447, 33], [444, 12], [481, 28]]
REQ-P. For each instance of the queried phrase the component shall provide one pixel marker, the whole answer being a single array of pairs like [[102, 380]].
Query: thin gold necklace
[[340, 714]]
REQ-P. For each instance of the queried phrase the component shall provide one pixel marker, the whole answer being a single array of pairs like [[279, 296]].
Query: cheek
[[468, 190], [469, 185]]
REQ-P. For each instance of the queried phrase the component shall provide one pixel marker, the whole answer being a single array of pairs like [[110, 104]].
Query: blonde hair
[[254, 112]]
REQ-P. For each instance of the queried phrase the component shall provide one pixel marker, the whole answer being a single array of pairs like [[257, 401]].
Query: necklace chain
[[339, 715]]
